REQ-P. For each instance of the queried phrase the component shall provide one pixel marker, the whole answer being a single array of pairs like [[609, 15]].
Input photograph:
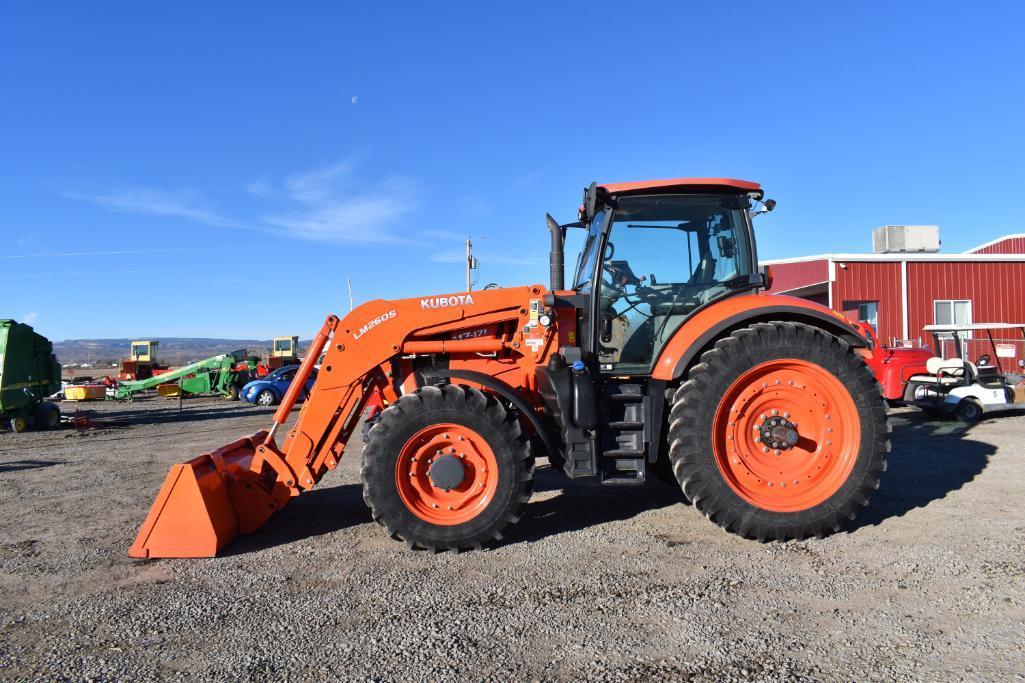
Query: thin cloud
[[30, 318], [331, 209], [261, 187], [117, 252], [156, 203], [65, 273], [321, 184], [327, 205]]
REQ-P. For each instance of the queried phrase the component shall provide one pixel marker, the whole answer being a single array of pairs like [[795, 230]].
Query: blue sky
[[255, 155]]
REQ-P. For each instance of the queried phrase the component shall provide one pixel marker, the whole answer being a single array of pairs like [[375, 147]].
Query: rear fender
[[715, 321]]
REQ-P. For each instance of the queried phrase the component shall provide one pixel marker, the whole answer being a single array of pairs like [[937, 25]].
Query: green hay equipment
[[29, 373], [215, 375]]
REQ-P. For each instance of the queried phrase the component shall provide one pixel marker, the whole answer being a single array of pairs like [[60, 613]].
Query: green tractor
[[29, 373]]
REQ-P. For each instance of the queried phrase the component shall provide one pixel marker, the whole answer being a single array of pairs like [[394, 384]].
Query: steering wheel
[[614, 286], [983, 359]]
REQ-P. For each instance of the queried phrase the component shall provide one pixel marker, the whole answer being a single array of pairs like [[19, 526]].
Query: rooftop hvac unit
[[895, 239]]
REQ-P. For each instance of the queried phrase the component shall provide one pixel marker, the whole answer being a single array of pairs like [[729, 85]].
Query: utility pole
[[471, 263]]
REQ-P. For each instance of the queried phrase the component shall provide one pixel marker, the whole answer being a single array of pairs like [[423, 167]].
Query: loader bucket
[[207, 501], [204, 503]]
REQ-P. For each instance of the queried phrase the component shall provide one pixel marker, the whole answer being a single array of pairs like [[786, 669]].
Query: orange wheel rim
[[446, 474], [786, 435]]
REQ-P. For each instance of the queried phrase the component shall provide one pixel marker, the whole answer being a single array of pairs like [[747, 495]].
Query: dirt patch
[[595, 583]]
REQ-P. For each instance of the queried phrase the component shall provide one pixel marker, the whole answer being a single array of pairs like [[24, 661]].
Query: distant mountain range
[[172, 350]]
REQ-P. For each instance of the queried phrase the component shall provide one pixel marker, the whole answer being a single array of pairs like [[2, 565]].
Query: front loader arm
[[357, 347], [205, 502]]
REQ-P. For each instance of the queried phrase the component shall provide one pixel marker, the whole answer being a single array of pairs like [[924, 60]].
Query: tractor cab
[[284, 351], [144, 351], [654, 254], [141, 361]]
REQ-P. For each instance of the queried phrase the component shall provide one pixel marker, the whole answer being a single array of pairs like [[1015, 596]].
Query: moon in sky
[[355, 99]]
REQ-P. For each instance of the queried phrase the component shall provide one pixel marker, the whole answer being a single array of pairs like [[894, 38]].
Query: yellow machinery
[[141, 361], [85, 392], [144, 351], [285, 351]]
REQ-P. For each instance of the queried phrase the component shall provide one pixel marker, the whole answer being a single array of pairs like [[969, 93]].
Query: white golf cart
[[967, 389]]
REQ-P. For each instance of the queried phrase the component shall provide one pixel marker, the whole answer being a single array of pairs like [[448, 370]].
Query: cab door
[[662, 258]]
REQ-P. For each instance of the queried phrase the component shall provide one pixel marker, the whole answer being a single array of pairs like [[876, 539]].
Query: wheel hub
[[779, 433], [446, 472], [761, 453]]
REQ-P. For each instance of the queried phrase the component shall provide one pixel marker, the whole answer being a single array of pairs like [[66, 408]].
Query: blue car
[[269, 390]]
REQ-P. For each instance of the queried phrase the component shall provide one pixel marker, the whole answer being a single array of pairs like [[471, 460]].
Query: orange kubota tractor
[[661, 355]]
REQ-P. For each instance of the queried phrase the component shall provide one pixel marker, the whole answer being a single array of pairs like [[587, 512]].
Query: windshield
[[681, 240], [585, 262]]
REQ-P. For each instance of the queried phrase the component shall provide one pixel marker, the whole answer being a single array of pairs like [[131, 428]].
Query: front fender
[[718, 319]]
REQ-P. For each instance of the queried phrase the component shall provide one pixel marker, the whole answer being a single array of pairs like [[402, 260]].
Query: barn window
[[865, 311], [868, 311], [952, 312]]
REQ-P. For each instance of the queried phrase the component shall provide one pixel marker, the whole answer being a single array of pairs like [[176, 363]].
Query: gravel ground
[[596, 583]]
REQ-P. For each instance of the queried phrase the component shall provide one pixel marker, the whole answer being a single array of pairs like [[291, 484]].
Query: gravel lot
[[596, 583]]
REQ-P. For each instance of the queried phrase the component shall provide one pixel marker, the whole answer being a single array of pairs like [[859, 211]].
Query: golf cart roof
[[677, 184], [973, 326]]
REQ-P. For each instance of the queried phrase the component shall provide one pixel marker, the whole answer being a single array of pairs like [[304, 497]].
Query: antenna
[[349, 281]]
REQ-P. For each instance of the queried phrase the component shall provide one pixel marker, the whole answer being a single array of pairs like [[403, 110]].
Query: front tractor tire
[[447, 468], [779, 432]]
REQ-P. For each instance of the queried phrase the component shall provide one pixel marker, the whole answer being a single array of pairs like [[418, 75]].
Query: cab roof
[[677, 184]]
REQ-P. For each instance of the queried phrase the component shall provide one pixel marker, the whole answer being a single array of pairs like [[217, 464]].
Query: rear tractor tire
[[447, 468], [779, 432]]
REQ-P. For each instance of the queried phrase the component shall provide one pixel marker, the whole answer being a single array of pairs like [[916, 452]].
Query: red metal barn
[[899, 292]]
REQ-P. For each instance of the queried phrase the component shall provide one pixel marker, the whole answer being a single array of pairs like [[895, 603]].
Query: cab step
[[624, 449]]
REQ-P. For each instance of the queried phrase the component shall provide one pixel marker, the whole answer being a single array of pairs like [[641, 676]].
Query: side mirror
[[767, 206], [767, 277]]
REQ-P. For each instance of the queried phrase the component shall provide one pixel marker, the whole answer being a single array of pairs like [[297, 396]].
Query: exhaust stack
[[556, 259]]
